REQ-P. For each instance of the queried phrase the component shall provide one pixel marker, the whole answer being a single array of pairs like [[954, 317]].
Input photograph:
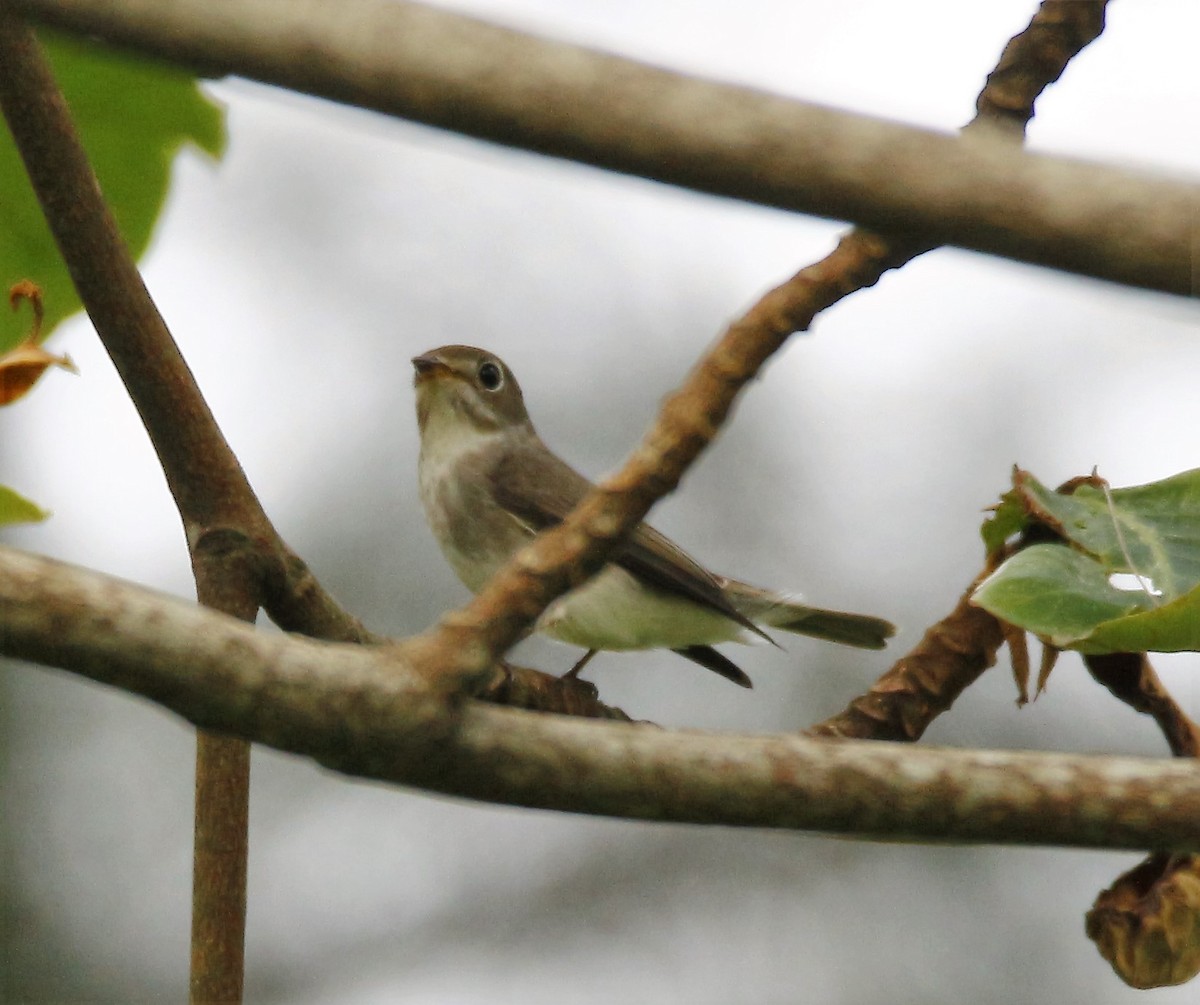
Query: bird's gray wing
[[539, 489]]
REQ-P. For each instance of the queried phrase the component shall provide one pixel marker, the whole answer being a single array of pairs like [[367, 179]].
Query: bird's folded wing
[[541, 496]]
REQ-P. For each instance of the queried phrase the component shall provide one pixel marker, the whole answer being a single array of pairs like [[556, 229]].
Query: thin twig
[[452, 71], [1033, 60], [226, 580], [522, 687], [1130, 678], [925, 682], [219, 863]]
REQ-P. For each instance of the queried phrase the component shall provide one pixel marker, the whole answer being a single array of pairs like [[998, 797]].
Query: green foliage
[[133, 116], [1007, 519], [15, 508], [1063, 591]]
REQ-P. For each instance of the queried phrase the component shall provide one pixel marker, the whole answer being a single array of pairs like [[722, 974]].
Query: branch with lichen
[[369, 711]]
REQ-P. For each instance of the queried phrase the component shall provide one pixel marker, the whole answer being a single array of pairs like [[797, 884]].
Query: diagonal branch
[[953, 653], [221, 515], [1034, 59], [925, 682], [237, 558], [208, 485], [690, 417], [367, 711], [496, 84], [203, 475], [1131, 678]]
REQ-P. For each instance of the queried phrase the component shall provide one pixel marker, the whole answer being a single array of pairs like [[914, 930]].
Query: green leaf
[[15, 508], [133, 116], [1171, 628], [1007, 519], [1063, 593], [1150, 530], [1057, 593]]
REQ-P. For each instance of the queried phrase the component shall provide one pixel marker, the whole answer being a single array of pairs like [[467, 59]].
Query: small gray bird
[[489, 484]]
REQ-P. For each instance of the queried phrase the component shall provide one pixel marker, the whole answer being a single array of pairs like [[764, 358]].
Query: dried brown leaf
[[926, 681], [1018, 652], [1147, 924], [1050, 656], [24, 364], [27, 289], [21, 367]]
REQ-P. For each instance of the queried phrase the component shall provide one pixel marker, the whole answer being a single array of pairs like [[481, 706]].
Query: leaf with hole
[[1064, 592]]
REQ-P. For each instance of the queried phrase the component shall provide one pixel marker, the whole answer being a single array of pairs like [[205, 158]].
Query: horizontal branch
[[367, 711], [457, 73]]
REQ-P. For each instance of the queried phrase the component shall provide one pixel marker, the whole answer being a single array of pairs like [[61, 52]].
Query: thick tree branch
[[458, 73], [368, 711]]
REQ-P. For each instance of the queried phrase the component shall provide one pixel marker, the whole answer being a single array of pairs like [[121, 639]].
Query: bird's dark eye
[[490, 376]]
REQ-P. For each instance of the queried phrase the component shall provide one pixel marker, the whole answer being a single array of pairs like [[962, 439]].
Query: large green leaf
[[133, 116], [1064, 592], [1152, 530]]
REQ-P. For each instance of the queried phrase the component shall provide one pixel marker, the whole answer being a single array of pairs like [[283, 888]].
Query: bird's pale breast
[[475, 534]]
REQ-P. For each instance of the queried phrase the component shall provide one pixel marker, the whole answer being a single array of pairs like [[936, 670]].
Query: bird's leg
[[583, 661]]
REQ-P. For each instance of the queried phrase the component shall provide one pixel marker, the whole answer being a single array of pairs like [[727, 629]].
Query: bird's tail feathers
[[788, 614]]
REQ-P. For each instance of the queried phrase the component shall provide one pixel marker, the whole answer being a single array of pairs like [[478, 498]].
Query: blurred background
[[330, 246]]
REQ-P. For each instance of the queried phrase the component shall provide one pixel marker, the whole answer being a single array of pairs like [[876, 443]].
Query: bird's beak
[[429, 366]]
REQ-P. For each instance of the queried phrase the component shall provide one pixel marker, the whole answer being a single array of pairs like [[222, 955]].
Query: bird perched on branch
[[489, 485]]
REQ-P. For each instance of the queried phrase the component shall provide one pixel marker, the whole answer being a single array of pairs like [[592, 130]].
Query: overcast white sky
[[330, 246]]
